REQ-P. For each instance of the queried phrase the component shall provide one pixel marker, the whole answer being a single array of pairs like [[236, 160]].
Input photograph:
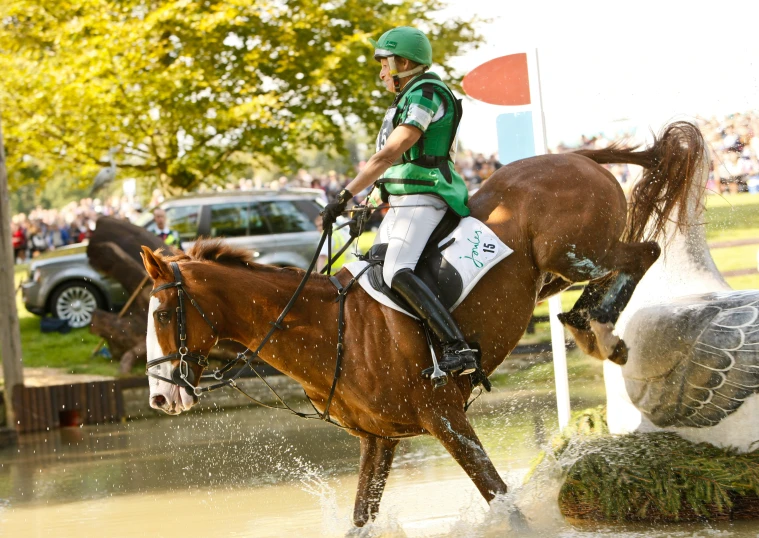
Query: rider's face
[[385, 75]]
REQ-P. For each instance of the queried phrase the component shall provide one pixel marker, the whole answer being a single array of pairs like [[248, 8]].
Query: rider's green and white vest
[[427, 167]]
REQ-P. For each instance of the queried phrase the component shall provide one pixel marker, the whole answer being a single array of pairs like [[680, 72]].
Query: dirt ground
[[40, 377]]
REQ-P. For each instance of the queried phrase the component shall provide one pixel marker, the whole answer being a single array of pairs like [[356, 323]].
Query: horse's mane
[[215, 250]]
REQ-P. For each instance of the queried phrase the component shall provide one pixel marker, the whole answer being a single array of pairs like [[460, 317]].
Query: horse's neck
[[254, 299]]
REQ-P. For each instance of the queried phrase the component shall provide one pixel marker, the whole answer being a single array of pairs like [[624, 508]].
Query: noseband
[[182, 376]]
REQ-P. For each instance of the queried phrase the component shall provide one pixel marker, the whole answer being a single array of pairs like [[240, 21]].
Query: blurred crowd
[[48, 229], [733, 143]]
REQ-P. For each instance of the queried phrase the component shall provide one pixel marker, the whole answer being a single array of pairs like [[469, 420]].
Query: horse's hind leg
[[592, 318], [376, 459]]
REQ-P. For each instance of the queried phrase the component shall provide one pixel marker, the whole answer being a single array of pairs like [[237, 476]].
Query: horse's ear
[[154, 264]]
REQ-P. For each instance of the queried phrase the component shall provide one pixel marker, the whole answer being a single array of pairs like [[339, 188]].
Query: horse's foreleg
[[376, 459], [457, 436]]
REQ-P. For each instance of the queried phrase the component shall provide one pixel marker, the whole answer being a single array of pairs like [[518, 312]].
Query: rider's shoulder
[[425, 87]]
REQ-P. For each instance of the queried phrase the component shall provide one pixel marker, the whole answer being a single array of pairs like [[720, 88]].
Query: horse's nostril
[[159, 400]]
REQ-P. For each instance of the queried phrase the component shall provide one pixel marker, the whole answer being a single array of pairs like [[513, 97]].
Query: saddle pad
[[473, 249]]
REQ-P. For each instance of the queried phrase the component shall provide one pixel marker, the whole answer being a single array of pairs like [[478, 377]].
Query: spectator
[[160, 227], [56, 236], [333, 185], [19, 240], [36, 240]]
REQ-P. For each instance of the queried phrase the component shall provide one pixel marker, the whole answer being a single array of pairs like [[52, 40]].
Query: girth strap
[[341, 293]]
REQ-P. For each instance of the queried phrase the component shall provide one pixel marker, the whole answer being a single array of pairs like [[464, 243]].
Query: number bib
[[387, 127]]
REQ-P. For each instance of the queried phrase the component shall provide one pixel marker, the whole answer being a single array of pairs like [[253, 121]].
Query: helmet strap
[[414, 71], [397, 76], [394, 74]]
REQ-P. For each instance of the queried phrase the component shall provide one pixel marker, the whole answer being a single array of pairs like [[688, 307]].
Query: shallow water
[[254, 472]]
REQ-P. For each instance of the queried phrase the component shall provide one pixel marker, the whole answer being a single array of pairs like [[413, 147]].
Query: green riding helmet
[[406, 42]]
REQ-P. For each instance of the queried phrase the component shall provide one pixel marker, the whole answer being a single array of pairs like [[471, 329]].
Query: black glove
[[335, 209]]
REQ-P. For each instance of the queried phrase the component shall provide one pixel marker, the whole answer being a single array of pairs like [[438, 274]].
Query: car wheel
[[75, 302]]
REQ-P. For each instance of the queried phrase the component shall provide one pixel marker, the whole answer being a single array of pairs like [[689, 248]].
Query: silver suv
[[277, 226]]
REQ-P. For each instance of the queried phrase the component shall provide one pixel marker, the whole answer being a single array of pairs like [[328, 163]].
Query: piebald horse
[[567, 220]]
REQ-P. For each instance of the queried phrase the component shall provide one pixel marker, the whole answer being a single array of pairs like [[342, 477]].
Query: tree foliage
[[183, 86]]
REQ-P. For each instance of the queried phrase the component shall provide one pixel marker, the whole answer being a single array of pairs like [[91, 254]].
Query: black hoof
[[619, 354]]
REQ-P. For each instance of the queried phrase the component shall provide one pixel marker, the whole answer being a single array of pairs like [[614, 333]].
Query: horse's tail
[[671, 167]]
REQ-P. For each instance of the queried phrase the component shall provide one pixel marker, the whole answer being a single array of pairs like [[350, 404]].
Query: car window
[[184, 219], [256, 223], [229, 220], [285, 217]]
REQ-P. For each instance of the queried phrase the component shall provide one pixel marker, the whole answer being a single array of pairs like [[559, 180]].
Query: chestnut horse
[[567, 220]]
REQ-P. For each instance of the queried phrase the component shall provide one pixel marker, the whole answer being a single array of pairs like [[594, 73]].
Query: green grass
[[732, 258], [582, 370], [730, 218], [69, 352]]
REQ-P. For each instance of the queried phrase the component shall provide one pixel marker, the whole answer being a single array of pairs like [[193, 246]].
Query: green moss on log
[[656, 477]]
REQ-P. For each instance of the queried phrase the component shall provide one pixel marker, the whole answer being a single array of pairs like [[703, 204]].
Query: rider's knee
[[388, 272]]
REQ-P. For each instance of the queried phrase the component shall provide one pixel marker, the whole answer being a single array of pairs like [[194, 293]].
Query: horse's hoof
[[619, 355]]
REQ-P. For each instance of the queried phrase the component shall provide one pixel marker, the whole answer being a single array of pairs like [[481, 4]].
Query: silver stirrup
[[439, 378]]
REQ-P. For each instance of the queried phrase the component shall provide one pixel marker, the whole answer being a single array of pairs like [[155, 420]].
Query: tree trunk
[[10, 333]]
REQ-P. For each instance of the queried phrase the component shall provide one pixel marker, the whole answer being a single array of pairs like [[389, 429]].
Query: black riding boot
[[457, 357]]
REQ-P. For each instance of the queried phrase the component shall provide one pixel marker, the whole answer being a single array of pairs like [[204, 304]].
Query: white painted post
[[559, 350], [558, 344]]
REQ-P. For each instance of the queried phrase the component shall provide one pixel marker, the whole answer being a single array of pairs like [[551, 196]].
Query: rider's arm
[[399, 142]]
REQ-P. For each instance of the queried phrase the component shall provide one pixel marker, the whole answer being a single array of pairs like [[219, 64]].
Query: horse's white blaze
[[154, 351]]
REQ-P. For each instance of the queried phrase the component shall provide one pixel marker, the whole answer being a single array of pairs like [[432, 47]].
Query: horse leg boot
[[631, 261], [457, 355], [577, 320], [376, 459]]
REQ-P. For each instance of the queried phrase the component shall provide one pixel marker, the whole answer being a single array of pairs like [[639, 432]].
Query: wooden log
[[122, 334], [126, 235], [110, 259], [114, 250], [137, 354]]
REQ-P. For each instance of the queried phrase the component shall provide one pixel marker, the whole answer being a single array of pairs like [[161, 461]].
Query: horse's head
[[179, 336]]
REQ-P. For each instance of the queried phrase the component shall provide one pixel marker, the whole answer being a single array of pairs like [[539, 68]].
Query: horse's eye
[[164, 316]]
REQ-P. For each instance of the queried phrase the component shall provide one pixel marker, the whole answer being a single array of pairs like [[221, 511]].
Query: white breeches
[[406, 228]]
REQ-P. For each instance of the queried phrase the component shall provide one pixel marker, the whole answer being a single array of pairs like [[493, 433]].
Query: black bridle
[[182, 375]]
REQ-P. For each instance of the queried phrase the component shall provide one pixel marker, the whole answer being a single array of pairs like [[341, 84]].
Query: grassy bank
[[70, 352]]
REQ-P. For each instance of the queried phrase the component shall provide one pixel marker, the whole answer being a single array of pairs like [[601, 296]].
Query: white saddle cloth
[[474, 251]]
